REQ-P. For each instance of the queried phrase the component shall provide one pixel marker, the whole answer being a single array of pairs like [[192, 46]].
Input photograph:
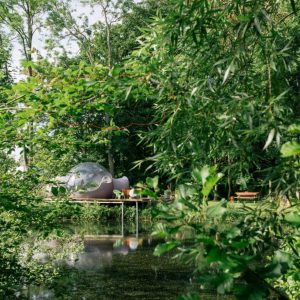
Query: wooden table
[[246, 196]]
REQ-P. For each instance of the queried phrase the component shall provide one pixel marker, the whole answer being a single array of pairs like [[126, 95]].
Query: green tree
[[5, 56], [251, 252], [109, 41], [64, 25], [125, 30], [223, 73], [24, 18], [68, 109]]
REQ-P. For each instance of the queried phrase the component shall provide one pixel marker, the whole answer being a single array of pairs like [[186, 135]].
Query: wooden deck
[[110, 201]]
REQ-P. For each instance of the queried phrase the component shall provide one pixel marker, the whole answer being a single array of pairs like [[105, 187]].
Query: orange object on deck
[[126, 193]]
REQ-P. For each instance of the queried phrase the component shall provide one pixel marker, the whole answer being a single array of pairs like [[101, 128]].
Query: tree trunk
[[229, 179], [28, 54], [108, 36], [111, 163], [110, 158]]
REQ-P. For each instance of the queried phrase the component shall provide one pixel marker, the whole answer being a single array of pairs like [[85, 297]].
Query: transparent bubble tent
[[91, 180]]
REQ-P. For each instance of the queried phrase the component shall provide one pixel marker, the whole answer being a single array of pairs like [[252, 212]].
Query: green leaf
[[116, 71], [189, 204], [293, 218], [197, 175], [118, 194], [243, 18], [269, 139], [152, 182], [166, 247], [281, 262], [225, 282], [221, 61], [214, 255], [290, 149], [182, 191], [160, 231], [217, 210], [59, 233], [257, 294], [233, 233], [194, 91], [240, 244], [257, 25], [62, 190], [54, 190], [227, 72], [294, 128], [211, 181], [293, 4], [128, 92], [189, 297], [252, 292], [174, 230], [205, 172], [186, 191], [206, 240]]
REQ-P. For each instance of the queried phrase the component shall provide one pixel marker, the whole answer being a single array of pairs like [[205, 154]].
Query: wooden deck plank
[[247, 196]]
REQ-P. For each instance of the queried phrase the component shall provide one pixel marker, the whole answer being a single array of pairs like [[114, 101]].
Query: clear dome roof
[[87, 177]]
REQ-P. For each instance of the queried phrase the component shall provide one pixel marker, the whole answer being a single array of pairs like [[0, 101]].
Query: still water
[[110, 266]]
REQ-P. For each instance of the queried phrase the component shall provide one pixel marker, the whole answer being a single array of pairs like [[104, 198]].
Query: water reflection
[[98, 252], [104, 266]]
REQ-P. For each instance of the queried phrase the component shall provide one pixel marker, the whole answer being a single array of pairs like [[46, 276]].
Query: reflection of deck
[[102, 237], [107, 237], [116, 201], [112, 201]]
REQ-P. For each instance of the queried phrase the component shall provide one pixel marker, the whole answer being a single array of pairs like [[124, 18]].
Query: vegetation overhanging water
[[109, 266], [202, 93]]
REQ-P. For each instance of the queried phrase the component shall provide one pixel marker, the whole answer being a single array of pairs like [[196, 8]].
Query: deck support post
[[137, 218], [122, 219]]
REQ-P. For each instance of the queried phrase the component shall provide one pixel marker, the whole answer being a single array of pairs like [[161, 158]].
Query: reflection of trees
[[74, 252], [52, 251]]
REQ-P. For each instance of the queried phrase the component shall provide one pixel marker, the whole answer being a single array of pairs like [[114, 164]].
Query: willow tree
[[224, 73], [225, 76]]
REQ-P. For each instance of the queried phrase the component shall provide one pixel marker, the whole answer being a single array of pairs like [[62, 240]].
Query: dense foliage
[[250, 251], [166, 87], [21, 219], [225, 75]]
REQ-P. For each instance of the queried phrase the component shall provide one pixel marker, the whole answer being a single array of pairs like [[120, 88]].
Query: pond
[[111, 266]]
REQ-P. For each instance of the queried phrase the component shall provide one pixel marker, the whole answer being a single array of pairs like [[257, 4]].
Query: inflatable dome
[[89, 180], [121, 183]]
